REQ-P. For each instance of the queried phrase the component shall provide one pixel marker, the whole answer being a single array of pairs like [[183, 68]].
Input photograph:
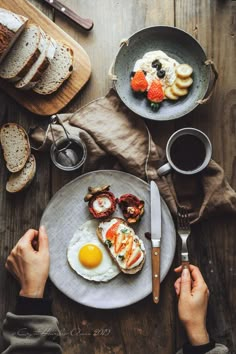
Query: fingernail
[[42, 228], [185, 273]]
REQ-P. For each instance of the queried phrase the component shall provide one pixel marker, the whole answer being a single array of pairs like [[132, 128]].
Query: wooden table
[[142, 327]]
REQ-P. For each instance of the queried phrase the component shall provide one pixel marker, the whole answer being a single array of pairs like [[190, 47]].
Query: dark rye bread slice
[[22, 179], [15, 145], [126, 271], [22, 55], [11, 26], [58, 71]]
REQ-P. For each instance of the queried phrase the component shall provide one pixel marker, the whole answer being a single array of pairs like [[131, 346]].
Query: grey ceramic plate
[[67, 210], [178, 45]]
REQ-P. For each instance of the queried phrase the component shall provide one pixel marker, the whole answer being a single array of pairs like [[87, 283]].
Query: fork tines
[[182, 218]]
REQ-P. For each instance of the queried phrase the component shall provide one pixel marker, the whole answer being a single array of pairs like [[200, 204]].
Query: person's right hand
[[28, 265], [193, 295]]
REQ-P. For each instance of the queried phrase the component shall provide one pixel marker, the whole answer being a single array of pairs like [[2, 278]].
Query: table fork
[[183, 229]]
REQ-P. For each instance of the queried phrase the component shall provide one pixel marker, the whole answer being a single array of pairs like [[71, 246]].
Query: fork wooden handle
[[156, 274], [185, 264]]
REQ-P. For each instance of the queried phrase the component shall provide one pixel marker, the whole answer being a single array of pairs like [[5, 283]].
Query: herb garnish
[[108, 243]]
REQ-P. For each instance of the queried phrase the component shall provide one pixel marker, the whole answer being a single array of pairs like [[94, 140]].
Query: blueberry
[[161, 73], [156, 64]]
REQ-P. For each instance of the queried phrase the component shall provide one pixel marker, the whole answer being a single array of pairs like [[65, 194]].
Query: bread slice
[[11, 26], [124, 270], [41, 64], [20, 180], [58, 71], [15, 145], [22, 55]]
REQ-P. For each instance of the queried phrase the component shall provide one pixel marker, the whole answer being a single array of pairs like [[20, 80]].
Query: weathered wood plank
[[212, 243], [23, 210]]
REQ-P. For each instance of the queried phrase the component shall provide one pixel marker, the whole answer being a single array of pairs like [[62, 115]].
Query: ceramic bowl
[[178, 45]]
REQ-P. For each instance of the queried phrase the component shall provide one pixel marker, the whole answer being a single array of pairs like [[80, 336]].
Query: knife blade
[[85, 23], [155, 239]]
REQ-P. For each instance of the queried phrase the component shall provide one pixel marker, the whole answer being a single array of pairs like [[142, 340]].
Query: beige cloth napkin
[[116, 138]]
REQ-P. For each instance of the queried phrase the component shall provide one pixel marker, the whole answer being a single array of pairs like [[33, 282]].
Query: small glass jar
[[68, 155]]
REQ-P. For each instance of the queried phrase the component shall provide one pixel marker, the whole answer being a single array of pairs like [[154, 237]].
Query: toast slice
[[38, 68], [22, 179], [15, 145], [123, 245], [57, 72], [11, 26], [22, 55]]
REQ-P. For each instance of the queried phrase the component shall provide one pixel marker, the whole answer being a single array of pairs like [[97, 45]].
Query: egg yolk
[[90, 255]]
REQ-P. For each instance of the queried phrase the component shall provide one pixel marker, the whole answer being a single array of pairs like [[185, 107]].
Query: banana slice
[[183, 83], [184, 71], [178, 91], [169, 94]]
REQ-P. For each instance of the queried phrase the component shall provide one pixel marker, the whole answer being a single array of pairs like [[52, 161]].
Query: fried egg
[[88, 257]]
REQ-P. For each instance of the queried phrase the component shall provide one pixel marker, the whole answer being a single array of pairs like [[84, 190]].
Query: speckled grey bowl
[[178, 45]]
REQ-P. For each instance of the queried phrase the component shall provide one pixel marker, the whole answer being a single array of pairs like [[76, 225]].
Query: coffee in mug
[[188, 151]]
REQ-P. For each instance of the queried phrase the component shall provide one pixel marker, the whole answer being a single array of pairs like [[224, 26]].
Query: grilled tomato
[[101, 202], [132, 207]]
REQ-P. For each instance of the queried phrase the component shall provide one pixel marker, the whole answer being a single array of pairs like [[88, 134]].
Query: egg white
[[85, 234]]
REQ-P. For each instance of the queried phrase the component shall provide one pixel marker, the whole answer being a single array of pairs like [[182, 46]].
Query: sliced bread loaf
[[11, 26], [20, 180], [38, 68], [22, 55], [57, 72], [15, 145]]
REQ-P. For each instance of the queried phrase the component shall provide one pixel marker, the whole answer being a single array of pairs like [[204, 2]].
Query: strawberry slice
[[135, 255], [112, 231], [138, 82]]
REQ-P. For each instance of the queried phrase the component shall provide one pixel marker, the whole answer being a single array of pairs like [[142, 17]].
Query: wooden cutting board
[[49, 104]]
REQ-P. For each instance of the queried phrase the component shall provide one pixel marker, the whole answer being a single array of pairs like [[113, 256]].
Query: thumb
[[43, 239], [185, 288]]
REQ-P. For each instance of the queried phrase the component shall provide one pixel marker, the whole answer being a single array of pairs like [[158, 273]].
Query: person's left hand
[[28, 266]]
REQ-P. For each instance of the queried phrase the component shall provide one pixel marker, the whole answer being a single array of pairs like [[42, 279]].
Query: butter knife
[[85, 23], [155, 239]]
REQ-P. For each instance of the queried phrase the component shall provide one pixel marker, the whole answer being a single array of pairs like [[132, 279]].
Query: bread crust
[[15, 175], [21, 163], [126, 271], [11, 31]]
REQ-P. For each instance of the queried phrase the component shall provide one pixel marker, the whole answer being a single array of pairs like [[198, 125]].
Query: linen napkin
[[116, 138]]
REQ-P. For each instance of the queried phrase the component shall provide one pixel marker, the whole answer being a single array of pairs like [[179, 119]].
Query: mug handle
[[164, 170]]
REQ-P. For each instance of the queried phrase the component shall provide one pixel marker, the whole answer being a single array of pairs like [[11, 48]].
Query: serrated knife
[[155, 239]]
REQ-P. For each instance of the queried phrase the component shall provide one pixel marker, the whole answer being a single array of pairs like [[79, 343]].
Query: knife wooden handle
[[156, 274], [85, 23]]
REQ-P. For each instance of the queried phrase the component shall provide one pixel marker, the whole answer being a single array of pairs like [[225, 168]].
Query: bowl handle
[[215, 72], [111, 74]]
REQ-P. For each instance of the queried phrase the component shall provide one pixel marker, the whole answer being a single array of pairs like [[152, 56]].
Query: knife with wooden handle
[[85, 23], [156, 240]]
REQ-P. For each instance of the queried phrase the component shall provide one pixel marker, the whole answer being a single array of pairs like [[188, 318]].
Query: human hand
[[28, 266], [193, 295]]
